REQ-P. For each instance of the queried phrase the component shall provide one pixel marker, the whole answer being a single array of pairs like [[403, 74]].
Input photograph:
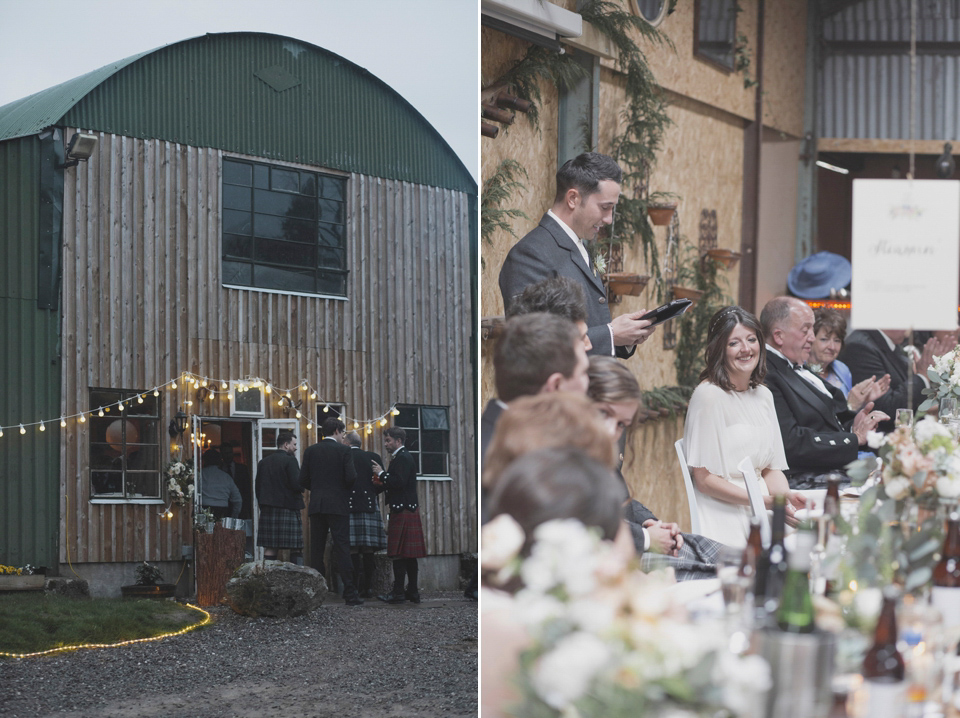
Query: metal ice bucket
[[801, 670]]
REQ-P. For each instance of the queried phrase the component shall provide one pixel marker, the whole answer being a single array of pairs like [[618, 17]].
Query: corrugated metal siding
[[142, 259], [29, 371], [866, 93], [203, 92]]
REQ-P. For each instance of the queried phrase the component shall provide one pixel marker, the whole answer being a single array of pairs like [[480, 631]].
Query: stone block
[[275, 588]]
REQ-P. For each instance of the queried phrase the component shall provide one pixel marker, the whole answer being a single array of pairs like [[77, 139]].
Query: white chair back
[[756, 498], [688, 485]]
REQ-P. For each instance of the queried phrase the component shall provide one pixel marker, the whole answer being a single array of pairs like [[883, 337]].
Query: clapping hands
[[868, 390]]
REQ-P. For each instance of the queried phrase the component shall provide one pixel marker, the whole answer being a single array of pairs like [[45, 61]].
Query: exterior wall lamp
[[178, 425], [80, 147]]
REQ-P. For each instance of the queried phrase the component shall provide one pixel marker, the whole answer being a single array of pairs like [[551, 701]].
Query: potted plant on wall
[[149, 584], [24, 578]]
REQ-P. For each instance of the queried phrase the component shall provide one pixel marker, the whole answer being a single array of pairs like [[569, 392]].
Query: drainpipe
[[751, 183]]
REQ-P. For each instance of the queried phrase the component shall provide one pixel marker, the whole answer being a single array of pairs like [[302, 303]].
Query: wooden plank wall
[[143, 303]]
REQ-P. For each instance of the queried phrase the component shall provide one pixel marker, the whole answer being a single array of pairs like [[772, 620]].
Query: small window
[[332, 410], [428, 437], [715, 31], [283, 229], [124, 445]]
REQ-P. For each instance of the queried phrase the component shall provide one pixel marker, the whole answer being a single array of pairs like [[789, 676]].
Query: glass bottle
[[795, 614], [946, 576], [752, 553], [774, 565], [883, 666]]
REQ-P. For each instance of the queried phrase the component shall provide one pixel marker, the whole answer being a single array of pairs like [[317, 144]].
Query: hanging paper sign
[[905, 258]]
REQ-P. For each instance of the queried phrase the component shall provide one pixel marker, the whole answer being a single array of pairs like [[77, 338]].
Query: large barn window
[[124, 445], [428, 437], [283, 229]]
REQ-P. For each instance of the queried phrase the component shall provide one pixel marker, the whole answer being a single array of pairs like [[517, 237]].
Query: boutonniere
[[815, 368], [599, 264]]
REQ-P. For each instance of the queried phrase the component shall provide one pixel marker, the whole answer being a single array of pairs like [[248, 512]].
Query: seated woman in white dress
[[730, 417]]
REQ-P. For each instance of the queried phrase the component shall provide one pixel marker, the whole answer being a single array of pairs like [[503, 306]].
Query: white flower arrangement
[[944, 378], [920, 464], [607, 639], [180, 484]]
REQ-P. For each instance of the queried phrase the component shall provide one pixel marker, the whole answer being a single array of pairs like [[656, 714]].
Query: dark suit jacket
[[363, 495], [867, 354], [547, 251], [400, 482], [488, 424], [278, 481], [328, 472], [813, 432]]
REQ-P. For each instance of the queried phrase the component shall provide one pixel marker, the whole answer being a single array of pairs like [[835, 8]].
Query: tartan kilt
[[405, 535], [366, 531], [279, 528]]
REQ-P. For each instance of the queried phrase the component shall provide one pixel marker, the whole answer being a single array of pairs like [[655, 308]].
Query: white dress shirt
[[811, 378]]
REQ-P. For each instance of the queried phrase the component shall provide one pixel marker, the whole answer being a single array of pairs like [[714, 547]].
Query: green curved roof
[[252, 93]]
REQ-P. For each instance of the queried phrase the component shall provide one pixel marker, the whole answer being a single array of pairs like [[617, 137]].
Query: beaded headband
[[716, 320]]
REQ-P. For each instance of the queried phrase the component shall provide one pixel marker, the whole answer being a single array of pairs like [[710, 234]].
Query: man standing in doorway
[[366, 526], [329, 474], [280, 498], [404, 532]]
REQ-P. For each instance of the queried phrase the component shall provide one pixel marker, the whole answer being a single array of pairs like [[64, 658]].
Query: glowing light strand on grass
[[207, 618], [189, 380]]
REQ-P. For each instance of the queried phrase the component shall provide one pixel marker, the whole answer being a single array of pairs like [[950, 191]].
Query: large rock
[[275, 588]]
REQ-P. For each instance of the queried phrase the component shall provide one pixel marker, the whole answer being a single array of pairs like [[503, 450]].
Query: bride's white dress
[[722, 428]]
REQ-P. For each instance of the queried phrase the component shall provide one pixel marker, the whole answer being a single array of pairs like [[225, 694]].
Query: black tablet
[[668, 311]]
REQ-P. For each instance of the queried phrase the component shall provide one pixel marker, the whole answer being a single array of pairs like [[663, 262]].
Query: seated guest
[[873, 352], [819, 432], [731, 416], [217, 490], [561, 296], [535, 353], [829, 329]]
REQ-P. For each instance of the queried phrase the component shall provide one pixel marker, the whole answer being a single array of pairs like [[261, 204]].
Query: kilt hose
[[279, 528], [405, 535], [366, 531]]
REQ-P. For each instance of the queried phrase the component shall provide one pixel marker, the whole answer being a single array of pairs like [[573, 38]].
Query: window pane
[[330, 211], [291, 280], [143, 457], [434, 440], [236, 197], [100, 398], [143, 484], [285, 180], [291, 253], [433, 464], [332, 187], [330, 235], [236, 222], [331, 258], [104, 456], [261, 176], [407, 416], [434, 417], [237, 172], [235, 245], [106, 482], [286, 205], [147, 408], [413, 440], [308, 184], [293, 230], [335, 284], [237, 273]]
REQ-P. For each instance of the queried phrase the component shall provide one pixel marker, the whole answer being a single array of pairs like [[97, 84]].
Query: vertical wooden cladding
[[143, 302]]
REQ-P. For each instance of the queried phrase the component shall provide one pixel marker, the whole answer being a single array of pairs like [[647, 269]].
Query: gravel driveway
[[371, 661]]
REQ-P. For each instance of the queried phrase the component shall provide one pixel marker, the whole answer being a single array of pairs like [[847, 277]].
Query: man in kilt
[[280, 498], [366, 526], [404, 531], [329, 473]]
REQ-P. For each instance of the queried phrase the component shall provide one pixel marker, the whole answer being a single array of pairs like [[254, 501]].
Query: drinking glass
[[904, 418], [948, 409]]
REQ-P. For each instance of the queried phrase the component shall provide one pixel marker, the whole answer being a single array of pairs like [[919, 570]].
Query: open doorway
[[233, 438]]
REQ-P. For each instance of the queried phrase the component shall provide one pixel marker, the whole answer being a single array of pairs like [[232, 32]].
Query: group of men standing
[[343, 481]]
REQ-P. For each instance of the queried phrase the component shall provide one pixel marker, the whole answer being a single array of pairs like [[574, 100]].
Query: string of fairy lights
[[212, 387], [62, 649]]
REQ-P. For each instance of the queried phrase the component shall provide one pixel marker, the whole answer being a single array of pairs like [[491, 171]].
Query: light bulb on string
[[356, 424], [313, 396], [156, 392], [83, 419], [383, 422], [326, 409], [267, 389], [299, 415], [288, 395], [100, 413], [309, 426], [280, 403], [139, 398], [22, 430], [173, 385], [203, 383], [120, 406], [63, 422], [42, 427], [303, 387], [1, 431], [395, 412], [223, 385], [369, 429]]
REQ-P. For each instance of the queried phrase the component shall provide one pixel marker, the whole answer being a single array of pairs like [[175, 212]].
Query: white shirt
[[586, 259], [811, 378]]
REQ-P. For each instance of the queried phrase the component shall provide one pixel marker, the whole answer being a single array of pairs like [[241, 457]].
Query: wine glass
[[904, 418], [948, 409]]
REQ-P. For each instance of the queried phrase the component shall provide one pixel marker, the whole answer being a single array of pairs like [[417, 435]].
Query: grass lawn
[[33, 621]]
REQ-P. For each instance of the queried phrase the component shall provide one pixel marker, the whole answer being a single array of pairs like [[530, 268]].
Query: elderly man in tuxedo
[[873, 352], [821, 433], [588, 188], [329, 473]]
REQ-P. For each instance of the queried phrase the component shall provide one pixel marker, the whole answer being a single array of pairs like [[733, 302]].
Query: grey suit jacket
[[547, 251]]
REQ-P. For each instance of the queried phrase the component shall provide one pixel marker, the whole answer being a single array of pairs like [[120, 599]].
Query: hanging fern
[[497, 190], [540, 63]]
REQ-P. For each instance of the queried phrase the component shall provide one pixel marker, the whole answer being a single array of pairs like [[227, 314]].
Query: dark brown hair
[[832, 321], [585, 172], [721, 324], [531, 348], [396, 432]]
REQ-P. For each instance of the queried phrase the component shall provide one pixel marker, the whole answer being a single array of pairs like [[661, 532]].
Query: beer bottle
[[752, 553], [775, 564], [831, 504], [795, 614], [946, 576], [883, 666]]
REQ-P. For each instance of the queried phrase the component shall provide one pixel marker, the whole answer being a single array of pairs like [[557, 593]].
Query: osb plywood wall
[[701, 161], [784, 65]]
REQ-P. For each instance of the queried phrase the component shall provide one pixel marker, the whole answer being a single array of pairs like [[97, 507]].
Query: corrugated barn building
[[248, 231]]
